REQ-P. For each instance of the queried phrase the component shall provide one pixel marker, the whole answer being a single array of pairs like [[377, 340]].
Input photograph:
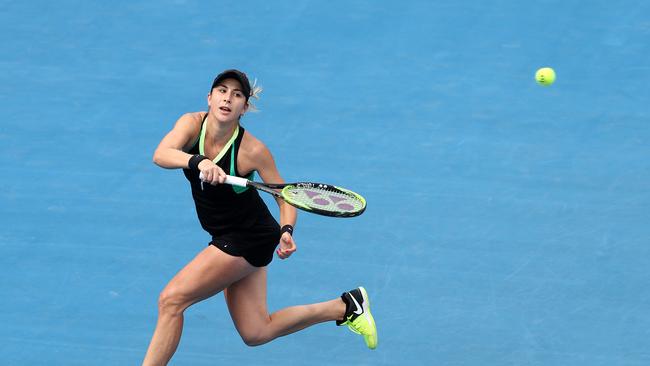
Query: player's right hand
[[211, 173]]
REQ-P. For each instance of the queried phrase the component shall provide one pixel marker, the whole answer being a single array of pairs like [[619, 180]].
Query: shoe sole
[[367, 315]]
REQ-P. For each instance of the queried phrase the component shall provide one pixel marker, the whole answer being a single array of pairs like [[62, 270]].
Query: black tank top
[[224, 210]]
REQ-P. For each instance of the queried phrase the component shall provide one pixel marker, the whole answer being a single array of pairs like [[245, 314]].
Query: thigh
[[246, 300], [207, 274]]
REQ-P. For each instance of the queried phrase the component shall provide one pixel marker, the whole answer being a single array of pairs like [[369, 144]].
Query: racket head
[[324, 199]]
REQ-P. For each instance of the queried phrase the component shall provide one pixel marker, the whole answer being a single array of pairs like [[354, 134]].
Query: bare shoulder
[[252, 145], [253, 153], [193, 118]]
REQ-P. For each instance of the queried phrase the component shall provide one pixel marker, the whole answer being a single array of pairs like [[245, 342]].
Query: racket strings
[[328, 199]]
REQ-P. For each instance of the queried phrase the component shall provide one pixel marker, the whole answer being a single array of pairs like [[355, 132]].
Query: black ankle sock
[[348, 303], [348, 308]]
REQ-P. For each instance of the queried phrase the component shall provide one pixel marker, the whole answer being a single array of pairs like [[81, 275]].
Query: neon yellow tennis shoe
[[358, 317]]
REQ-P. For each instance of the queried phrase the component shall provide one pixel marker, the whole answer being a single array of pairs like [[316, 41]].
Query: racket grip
[[236, 181], [232, 180]]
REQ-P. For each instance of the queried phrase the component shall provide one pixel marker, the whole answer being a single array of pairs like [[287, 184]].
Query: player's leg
[[246, 301], [206, 275]]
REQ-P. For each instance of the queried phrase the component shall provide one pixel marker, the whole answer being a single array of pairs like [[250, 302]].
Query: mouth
[[225, 109]]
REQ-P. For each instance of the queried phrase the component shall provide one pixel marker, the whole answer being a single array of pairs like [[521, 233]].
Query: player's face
[[227, 101]]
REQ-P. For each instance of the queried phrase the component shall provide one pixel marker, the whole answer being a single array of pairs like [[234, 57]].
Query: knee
[[254, 338], [171, 302]]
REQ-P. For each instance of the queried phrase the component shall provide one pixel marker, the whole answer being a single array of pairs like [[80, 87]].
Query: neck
[[220, 131]]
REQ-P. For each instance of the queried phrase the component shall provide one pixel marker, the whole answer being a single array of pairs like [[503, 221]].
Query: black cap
[[237, 75]]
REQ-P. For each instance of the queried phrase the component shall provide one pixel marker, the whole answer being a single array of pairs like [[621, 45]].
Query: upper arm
[[182, 136]]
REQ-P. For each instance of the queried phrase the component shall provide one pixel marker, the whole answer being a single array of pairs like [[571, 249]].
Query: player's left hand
[[287, 246]]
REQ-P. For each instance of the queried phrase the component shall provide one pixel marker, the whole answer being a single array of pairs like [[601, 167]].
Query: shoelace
[[360, 327]]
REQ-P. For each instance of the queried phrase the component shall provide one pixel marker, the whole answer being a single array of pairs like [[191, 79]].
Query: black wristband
[[287, 229], [193, 164]]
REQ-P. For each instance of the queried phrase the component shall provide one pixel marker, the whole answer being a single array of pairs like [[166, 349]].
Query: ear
[[209, 97], [245, 109]]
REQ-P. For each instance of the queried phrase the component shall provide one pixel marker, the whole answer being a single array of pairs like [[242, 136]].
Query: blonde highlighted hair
[[256, 90]]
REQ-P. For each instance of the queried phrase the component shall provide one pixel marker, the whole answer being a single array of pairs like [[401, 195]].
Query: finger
[[215, 177], [290, 246], [285, 253], [221, 176]]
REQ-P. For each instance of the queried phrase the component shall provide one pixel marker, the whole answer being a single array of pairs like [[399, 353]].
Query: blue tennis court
[[507, 223]]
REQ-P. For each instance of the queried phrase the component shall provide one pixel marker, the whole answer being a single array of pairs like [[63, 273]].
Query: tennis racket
[[319, 198]]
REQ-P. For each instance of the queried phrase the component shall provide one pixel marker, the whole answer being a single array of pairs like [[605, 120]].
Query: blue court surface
[[507, 223]]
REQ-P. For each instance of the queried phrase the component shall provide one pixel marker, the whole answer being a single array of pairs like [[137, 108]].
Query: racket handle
[[236, 181], [232, 180]]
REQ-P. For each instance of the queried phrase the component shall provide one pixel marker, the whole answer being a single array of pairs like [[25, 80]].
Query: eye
[[239, 95], [221, 90]]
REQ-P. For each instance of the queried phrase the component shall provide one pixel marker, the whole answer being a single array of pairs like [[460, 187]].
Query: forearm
[[288, 213], [171, 158]]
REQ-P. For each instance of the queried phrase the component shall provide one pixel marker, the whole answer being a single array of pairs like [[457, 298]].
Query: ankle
[[342, 308]]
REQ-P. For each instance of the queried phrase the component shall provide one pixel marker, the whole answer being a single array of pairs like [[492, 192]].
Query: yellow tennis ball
[[545, 76]]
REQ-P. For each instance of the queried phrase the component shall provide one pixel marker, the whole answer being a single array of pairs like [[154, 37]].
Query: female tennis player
[[244, 234]]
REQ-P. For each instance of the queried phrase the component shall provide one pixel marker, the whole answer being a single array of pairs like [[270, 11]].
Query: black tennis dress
[[238, 220]]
